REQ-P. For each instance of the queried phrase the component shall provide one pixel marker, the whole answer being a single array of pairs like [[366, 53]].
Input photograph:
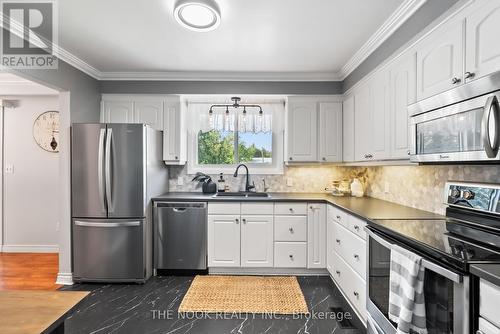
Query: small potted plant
[[207, 185]]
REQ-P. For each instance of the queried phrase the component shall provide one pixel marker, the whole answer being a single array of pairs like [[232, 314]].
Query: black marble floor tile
[[152, 308]]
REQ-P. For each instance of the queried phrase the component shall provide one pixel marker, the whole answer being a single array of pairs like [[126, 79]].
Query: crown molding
[[397, 18], [220, 76]]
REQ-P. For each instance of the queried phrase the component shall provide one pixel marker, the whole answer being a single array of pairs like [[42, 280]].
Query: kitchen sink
[[242, 194]]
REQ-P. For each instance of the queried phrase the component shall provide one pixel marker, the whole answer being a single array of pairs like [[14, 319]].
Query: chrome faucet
[[248, 186]]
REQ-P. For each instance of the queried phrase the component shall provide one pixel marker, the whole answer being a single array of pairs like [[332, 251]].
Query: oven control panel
[[474, 196]]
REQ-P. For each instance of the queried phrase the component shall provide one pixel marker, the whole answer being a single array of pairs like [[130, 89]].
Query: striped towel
[[406, 296]]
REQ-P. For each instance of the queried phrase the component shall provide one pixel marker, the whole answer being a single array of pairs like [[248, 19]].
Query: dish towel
[[406, 294]]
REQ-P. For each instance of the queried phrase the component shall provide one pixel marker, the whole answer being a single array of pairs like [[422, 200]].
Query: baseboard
[[268, 271], [30, 248], [64, 278]]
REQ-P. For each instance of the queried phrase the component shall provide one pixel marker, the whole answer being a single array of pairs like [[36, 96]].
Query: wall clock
[[46, 131]]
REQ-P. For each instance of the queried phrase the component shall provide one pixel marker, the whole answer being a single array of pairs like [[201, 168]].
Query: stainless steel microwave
[[461, 125]]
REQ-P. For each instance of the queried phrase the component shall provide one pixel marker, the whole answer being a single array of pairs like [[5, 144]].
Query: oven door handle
[[490, 148], [453, 276]]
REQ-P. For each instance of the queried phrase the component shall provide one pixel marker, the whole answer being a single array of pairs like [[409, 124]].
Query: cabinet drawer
[[290, 254], [257, 208], [290, 228], [224, 208], [353, 287], [489, 295], [487, 328], [357, 226], [351, 248], [337, 215], [290, 208]]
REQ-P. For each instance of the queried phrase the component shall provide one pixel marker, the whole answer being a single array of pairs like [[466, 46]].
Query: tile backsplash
[[420, 187], [299, 179]]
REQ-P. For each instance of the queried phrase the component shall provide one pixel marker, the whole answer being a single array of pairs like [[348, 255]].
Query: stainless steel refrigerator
[[116, 169]]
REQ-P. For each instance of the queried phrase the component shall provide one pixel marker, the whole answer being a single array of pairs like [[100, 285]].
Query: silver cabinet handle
[[469, 75], [324, 159], [456, 80], [338, 217], [356, 256], [337, 272], [290, 158], [291, 257], [337, 240], [356, 227], [356, 294], [291, 230], [237, 221], [244, 221], [291, 209], [491, 149]]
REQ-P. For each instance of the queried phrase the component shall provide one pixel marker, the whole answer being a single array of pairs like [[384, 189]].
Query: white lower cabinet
[[265, 235], [316, 235], [346, 257], [290, 254], [223, 240], [489, 295], [257, 241]]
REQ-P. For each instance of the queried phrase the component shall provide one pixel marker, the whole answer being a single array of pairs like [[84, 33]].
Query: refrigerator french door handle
[[491, 149], [100, 176], [120, 224], [109, 173]]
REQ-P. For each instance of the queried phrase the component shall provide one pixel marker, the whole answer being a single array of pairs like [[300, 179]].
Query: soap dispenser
[[221, 183]]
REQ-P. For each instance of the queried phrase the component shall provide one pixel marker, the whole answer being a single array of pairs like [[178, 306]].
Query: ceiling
[[263, 37]]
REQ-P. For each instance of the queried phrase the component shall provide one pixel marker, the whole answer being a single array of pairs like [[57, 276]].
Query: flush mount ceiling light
[[197, 15]]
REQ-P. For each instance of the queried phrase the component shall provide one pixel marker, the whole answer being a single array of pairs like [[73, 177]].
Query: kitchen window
[[219, 142]]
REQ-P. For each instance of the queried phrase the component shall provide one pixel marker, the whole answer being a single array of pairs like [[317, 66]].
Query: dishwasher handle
[[181, 206]]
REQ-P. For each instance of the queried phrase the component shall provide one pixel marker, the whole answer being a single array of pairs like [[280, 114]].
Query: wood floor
[[28, 271]]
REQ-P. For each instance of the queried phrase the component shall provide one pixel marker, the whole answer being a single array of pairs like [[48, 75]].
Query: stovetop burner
[[447, 239]]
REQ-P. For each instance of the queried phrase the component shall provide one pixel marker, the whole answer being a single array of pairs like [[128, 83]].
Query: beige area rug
[[244, 294]]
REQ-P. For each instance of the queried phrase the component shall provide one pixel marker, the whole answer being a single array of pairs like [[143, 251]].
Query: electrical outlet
[[289, 182], [9, 169], [386, 187], [180, 181]]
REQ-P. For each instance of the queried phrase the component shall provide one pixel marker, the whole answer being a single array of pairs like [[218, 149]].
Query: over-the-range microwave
[[459, 125]]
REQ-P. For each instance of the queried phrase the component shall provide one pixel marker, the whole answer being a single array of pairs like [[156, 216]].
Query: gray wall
[[84, 90], [221, 87], [430, 11]]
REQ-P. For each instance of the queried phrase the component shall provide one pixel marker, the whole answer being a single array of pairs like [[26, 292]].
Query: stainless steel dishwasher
[[180, 235]]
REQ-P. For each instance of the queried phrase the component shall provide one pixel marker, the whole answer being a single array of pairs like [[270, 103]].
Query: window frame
[[276, 167]]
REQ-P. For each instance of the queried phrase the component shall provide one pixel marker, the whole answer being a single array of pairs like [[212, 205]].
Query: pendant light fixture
[[197, 15]]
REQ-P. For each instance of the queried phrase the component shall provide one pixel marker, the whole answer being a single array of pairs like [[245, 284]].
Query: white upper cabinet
[[117, 112], [403, 93], [363, 128], [330, 131], [380, 123], [482, 40], [440, 60], [348, 129], [150, 113], [316, 235], [302, 131], [257, 242], [174, 133]]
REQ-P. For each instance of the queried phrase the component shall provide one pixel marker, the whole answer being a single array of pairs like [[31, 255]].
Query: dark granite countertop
[[364, 207], [489, 272]]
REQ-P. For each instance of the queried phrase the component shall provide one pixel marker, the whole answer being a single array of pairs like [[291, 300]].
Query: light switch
[[180, 181], [386, 187], [9, 169], [289, 182]]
